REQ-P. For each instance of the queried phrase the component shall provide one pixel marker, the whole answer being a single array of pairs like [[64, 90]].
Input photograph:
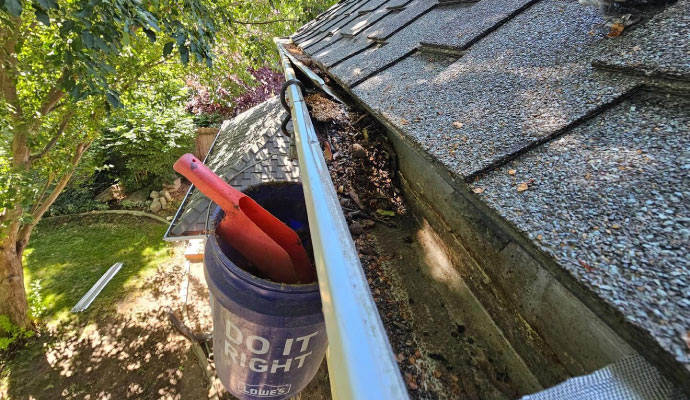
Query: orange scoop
[[260, 237]]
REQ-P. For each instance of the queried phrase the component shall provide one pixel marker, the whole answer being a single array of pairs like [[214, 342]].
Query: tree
[[245, 40], [67, 65], [63, 67]]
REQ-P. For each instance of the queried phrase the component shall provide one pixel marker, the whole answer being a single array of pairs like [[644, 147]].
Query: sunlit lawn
[[66, 257]]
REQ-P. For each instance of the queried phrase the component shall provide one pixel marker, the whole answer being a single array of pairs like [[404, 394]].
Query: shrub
[[10, 333], [35, 299], [240, 94], [269, 83], [206, 101], [76, 199], [208, 120], [143, 141]]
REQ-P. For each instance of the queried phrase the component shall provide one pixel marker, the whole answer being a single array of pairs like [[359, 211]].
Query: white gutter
[[360, 360], [313, 77], [96, 289]]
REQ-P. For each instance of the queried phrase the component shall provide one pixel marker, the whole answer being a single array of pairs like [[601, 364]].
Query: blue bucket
[[269, 338]]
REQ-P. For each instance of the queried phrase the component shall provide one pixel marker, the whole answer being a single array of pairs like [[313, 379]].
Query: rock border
[[121, 212]]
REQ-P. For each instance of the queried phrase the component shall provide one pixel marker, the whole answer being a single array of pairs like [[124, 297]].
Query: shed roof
[[249, 149], [597, 127]]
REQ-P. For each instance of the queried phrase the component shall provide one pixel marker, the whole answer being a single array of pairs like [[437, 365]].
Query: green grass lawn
[[66, 256]]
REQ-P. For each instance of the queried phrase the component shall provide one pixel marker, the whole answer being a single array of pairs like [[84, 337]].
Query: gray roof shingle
[[537, 86], [613, 193], [348, 13], [640, 51], [540, 86], [353, 28]]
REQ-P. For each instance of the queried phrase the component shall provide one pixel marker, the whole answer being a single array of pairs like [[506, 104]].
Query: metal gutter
[[360, 360], [313, 77]]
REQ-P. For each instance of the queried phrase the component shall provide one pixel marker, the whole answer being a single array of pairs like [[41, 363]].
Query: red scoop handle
[[273, 247]]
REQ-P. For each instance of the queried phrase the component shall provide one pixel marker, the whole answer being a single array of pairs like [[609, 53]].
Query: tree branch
[[61, 129], [60, 104], [43, 193], [52, 98], [8, 62], [25, 232], [144, 68], [49, 103]]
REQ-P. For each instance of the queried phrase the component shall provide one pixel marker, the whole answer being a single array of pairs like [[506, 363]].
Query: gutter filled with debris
[[361, 363]]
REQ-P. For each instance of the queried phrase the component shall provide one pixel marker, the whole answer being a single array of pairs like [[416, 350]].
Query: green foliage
[[76, 199], [207, 120], [87, 38], [244, 39], [133, 205], [11, 333], [36, 307], [68, 68], [143, 140], [140, 142], [74, 62], [64, 67]]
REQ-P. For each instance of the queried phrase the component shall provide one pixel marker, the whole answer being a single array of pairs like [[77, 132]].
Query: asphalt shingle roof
[[608, 194], [348, 13], [354, 69], [508, 93], [352, 46], [598, 126], [353, 28], [659, 48], [250, 149]]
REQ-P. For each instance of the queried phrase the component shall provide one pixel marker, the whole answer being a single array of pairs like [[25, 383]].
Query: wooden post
[[203, 141]]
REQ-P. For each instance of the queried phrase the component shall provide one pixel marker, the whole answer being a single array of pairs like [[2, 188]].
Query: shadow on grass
[[130, 353], [124, 346], [66, 257]]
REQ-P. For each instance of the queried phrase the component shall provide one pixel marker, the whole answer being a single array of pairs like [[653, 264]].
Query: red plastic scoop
[[261, 238]]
